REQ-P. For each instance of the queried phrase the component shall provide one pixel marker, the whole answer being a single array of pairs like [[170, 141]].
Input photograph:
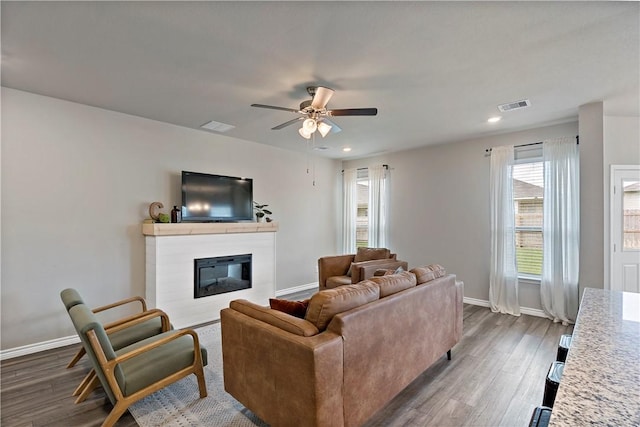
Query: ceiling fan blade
[[285, 124], [321, 97], [353, 112], [272, 107], [334, 127]]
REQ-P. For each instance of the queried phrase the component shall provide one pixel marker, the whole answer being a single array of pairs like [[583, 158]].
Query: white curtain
[[350, 210], [561, 230], [503, 276], [378, 206]]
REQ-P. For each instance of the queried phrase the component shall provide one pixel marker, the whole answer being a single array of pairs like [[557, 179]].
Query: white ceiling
[[436, 71]]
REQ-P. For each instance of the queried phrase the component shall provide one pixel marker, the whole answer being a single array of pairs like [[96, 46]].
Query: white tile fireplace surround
[[170, 253]]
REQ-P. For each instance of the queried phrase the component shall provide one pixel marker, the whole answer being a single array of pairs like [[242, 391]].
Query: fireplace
[[219, 275], [170, 253]]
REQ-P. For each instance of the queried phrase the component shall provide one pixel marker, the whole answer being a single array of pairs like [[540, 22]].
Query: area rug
[[179, 404]]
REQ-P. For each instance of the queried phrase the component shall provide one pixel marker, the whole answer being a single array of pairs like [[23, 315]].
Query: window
[[365, 204], [631, 212], [362, 219], [528, 191]]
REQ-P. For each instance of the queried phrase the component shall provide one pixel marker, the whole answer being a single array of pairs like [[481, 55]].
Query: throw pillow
[[294, 308], [368, 254], [383, 272]]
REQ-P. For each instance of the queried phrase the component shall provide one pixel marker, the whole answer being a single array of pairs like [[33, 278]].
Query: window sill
[[530, 280]]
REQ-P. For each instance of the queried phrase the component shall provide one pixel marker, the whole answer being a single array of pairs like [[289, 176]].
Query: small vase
[[258, 218]]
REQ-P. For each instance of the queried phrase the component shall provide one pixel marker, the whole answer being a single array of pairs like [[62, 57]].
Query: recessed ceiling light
[[346, 149], [217, 126], [494, 119]]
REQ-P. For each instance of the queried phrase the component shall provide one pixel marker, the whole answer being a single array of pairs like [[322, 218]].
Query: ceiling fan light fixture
[[310, 126], [324, 128], [303, 132]]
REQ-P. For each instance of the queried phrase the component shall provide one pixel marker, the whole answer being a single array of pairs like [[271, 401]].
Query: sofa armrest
[[276, 318], [265, 367], [364, 270], [329, 266]]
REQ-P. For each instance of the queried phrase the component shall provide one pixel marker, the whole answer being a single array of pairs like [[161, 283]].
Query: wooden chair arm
[[108, 366], [140, 350], [138, 318], [122, 302]]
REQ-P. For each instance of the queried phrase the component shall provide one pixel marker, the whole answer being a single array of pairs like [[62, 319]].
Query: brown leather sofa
[[339, 270], [357, 347]]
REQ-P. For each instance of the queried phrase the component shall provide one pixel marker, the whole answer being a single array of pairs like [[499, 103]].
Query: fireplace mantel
[[189, 228], [171, 250]]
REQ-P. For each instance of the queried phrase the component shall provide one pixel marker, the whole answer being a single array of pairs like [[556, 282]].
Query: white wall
[[592, 225], [76, 185], [440, 206]]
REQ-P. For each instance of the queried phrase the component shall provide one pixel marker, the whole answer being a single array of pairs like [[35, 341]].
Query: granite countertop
[[600, 384]]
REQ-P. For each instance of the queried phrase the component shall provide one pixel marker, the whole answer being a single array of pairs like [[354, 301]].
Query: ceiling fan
[[315, 115]]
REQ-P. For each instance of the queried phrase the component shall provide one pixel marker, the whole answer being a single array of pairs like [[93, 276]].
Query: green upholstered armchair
[[121, 333], [133, 372]]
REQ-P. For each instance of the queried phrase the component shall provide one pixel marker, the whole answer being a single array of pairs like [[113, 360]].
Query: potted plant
[[261, 211]]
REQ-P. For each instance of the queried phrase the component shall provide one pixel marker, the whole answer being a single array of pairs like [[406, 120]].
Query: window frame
[[362, 178], [524, 155]]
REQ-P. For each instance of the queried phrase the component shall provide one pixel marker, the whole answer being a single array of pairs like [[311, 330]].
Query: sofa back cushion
[[392, 283], [368, 254], [329, 302], [428, 273]]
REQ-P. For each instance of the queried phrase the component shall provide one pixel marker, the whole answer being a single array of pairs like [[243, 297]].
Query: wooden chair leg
[[118, 409], [92, 385], [84, 382], [77, 357], [202, 386]]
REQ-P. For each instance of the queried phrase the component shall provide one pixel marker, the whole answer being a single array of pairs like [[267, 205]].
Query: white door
[[625, 228]]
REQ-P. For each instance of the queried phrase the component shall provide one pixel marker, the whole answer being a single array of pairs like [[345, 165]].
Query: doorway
[[625, 228]]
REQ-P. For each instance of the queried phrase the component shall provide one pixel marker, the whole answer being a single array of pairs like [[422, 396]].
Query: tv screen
[[208, 198]]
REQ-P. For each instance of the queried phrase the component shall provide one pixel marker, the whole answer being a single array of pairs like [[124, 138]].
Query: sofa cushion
[[392, 283], [428, 273], [294, 308], [329, 302], [335, 281], [368, 254], [276, 318]]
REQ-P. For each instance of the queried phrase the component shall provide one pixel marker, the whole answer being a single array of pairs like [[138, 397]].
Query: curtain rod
[[488, 150], [361, 169]]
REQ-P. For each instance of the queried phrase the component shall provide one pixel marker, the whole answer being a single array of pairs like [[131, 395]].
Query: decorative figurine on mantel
[[261, 211], [157, 216]]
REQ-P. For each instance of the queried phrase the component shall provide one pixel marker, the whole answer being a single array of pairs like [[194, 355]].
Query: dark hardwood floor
[[495, 378]]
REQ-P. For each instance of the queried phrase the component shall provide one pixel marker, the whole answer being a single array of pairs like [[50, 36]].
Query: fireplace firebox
[[218, 275]]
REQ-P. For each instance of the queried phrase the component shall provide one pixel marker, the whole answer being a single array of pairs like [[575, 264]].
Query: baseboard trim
[[38, 347], [65, 341], [296, 289], [523, 310]]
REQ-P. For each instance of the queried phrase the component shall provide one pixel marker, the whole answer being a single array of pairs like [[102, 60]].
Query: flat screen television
[[216, 198]]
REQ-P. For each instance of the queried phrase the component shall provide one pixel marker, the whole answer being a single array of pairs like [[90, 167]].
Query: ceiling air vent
[[514, 105], [217, 126]]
